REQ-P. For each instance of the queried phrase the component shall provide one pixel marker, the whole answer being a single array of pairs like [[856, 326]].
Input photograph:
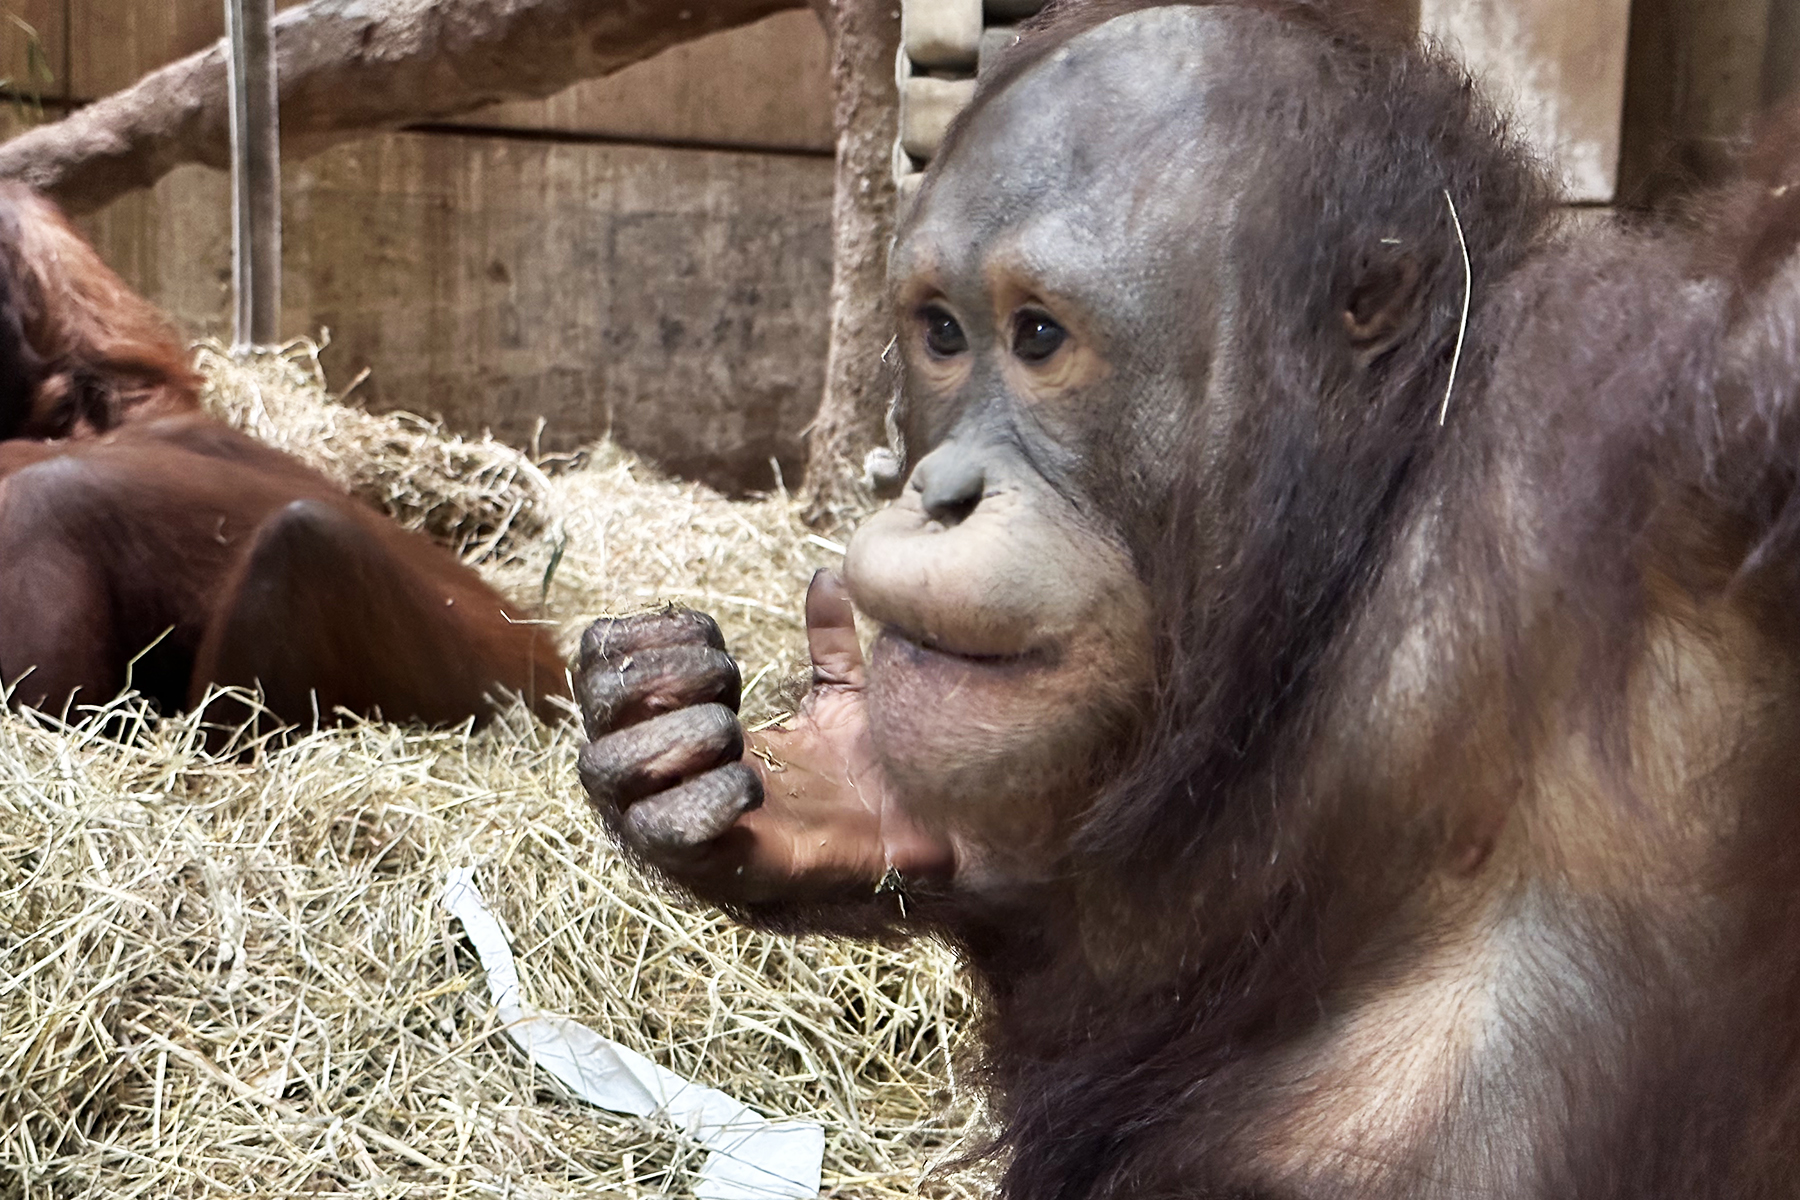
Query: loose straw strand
[[1462, 329]]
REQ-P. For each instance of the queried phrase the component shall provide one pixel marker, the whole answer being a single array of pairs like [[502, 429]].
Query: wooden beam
[[255, 172]]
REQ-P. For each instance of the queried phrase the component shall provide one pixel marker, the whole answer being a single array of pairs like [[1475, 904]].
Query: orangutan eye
[[1036, 337], [944, 338]]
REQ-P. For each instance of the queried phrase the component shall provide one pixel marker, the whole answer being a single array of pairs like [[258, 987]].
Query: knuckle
[[730, 680], [603, 641], [678, 671], [612, 639], [747, 782], [718, 727], [602, 694], [628, 690], [600, 639], [698, 812], [708, 629], [600, 767], [657, 754], [678, 626], [711, 676]]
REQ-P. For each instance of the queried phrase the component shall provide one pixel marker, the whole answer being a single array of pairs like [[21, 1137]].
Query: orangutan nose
[[950, 482]]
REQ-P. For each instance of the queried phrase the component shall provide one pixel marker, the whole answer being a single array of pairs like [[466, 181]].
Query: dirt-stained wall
[[646, 255], [675, 299]]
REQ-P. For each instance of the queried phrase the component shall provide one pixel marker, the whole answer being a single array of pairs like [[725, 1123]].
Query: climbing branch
[[351, 67]]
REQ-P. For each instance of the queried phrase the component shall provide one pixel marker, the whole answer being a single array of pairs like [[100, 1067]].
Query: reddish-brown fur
[[222, 562], [143, 544], [79, 350]]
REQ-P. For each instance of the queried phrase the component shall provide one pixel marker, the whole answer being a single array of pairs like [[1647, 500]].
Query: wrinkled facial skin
[[1057, 297]]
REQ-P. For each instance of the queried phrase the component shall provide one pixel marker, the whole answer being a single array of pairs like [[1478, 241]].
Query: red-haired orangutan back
[[1338, 671], [176, 555]]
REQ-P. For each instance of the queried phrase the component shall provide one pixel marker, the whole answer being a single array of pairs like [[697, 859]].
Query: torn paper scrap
[[749, 1157]]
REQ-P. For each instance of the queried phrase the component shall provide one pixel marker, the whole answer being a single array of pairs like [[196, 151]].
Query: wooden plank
[[768, 84], [21, 64], [1559, 67], [675, 298], [765, 85], [117, 42], [1702, 71]]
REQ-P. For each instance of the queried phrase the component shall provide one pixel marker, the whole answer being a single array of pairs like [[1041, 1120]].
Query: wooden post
[[1699, 72], [865, 38], [255, 173]]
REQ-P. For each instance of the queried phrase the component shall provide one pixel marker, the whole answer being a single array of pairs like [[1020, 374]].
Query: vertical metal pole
[[255, 172]]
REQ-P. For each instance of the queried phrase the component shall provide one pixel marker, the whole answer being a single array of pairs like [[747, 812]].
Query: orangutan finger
[[624, 767], [831, 640], [612, 638], [670, 827], [641, 685]]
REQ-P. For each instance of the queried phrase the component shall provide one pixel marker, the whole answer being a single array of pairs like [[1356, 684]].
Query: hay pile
[[477, 496], [230, 975]]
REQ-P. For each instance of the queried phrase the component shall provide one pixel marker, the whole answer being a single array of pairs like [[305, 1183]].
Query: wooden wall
[[646, 255], [650, 254], [1702, 71], [1559, 66], [762, 86], [1629, 100], [675, 299]]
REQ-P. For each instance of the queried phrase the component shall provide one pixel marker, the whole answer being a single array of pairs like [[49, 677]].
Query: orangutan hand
[[799, 813]]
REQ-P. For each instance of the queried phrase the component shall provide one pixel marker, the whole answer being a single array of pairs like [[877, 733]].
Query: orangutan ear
[[1384, 307]]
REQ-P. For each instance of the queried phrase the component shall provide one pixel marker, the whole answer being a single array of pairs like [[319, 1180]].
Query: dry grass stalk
[[629, 538], [230, 975]]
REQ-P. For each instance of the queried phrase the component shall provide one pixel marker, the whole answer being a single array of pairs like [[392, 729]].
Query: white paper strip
[[749, 1157]]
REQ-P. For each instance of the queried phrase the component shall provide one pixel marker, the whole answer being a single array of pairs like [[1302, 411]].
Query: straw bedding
[[477, 496], [230, 974]]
